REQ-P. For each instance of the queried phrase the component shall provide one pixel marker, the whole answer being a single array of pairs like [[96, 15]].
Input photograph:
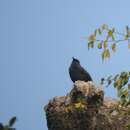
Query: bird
[[77, 72]]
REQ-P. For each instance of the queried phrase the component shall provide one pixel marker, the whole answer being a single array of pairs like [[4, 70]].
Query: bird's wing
[[84, 72]]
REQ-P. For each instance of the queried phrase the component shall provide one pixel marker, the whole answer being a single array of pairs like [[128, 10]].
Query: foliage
[[110, 38], [10, 124], [108, 44], [128, 127], [78, 106], [121, 83]]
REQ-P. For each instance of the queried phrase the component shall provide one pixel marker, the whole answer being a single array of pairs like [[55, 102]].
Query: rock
[[87, 93], [84, 108]]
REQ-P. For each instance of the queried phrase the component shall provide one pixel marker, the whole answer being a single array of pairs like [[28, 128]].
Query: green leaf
[[126, 37], [105, 54], [123, 74], [128, 33], [104, 26], [128, 127], [129, 86], [124, 81], [110, 33], [128, 102], [113, 38], [99, 45], [118, 84], [113, 47], [105, 44], [116, 76], [79, 105], [99, 31], [121, 93], [125, 93], [90, 44], [95, 32], [115, 84]]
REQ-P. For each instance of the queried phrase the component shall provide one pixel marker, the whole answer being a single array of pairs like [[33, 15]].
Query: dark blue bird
[[77, 72]]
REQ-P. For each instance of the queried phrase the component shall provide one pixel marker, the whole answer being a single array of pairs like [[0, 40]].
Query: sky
[[37, 41]]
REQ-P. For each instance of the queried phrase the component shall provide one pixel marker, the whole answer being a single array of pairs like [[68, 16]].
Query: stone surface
[[85, 108]]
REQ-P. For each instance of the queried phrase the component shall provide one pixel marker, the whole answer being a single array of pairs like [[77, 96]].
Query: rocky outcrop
[[85, 108]]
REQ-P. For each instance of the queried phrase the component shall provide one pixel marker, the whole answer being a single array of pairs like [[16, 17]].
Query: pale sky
[[37, 41]]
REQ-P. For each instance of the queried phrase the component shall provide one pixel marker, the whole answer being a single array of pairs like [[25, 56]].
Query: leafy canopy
[[106, 39]]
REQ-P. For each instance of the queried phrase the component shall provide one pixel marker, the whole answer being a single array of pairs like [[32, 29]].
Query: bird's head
[[75, 60]]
